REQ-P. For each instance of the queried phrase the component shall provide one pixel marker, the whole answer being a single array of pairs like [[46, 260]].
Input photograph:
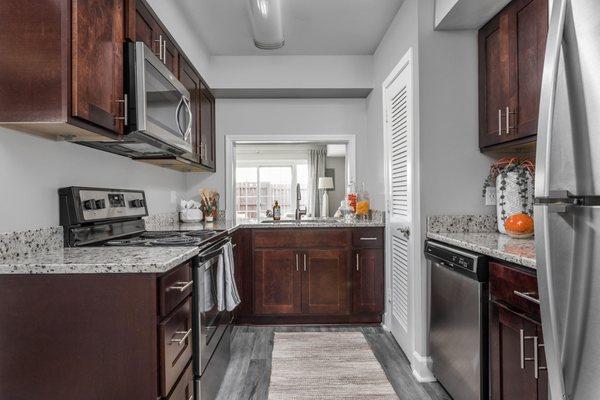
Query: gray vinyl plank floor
[[249, 371]]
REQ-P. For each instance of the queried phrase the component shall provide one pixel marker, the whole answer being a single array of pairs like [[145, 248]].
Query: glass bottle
[[363, 203], [276, 211], [351, 196]]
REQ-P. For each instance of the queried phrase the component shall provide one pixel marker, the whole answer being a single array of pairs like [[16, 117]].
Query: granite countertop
[[493, 244], [92, 260], [231, 226]]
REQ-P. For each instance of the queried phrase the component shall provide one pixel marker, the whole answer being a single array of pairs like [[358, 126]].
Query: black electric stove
[[114, 217]]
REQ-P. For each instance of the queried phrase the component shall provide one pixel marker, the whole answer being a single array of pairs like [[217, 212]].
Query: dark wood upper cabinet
[[191, 80], [325, 285], [277, 282], [368, 281], [207, 127], [511, 58], [97, 62]]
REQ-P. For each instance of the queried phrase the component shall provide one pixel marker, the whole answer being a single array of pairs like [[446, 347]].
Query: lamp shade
[[326, 182], [267, 25]]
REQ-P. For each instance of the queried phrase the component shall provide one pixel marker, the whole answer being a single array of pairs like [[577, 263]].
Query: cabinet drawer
[[511, 287], [184, 389], [300, 238], [367, 237], [175, 340], [173, 287]]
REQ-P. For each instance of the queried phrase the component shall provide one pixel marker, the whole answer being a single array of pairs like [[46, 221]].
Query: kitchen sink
[[302, 221]]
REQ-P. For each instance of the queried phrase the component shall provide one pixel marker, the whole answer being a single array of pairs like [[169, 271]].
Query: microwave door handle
[[190, 116], [177, 111]]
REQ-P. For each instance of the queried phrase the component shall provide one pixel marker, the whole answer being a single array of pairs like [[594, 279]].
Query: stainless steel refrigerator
[[567, 211]]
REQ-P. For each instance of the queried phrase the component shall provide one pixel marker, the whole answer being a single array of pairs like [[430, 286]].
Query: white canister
[[514, 195], [190, 215]]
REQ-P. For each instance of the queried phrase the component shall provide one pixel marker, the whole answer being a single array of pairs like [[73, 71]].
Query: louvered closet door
[[398, 146]]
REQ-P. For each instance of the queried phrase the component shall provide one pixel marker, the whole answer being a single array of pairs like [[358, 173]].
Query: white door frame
[[417, 318], [232, 140]]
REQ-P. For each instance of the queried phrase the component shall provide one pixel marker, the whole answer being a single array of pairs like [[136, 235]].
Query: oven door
[[160, 108], [210, 322]]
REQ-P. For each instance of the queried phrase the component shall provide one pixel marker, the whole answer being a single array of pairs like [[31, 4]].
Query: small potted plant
[[514, 182]]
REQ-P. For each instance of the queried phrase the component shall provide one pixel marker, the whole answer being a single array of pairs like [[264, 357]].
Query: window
[[259, 184]]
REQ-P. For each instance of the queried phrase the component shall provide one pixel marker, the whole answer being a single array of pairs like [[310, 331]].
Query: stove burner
[[158, 234], [174, 240], [127, 242], [202, 233]]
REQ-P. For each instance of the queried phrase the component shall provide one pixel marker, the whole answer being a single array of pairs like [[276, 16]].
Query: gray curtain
[[316, 170]]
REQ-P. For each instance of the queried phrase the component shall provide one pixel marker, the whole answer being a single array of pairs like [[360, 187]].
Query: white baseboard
[[421, 368]]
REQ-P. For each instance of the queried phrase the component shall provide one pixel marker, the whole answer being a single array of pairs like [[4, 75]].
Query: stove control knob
[[137, 203], [89, 204], [100, 204]]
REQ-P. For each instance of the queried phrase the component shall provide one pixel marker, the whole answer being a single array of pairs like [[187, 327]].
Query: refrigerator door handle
[[542, 191]]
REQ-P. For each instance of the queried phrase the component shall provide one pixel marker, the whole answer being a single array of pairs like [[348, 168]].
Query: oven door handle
[[212, 251]]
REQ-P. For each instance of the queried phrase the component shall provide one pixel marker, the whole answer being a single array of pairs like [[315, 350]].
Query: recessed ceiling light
[[267, 27]]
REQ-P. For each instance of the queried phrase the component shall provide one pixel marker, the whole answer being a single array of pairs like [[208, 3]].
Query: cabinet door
[[207, 127], [146, 27], [190, 79], [527, 32], [325, 282], [97, 62], [493, 80], [171, 54], [510, 381], [277, 282], [367, 288]]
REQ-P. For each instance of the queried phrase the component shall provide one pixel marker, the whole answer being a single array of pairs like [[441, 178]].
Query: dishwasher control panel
[[458, 259]]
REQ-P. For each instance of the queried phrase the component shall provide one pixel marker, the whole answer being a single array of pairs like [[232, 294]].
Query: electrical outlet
[[173, 197], [490, 196]]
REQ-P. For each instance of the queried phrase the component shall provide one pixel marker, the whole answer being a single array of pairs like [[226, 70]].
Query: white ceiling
[[311, 27]]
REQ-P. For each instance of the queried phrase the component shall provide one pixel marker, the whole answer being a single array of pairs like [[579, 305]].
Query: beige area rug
[[326, 365]]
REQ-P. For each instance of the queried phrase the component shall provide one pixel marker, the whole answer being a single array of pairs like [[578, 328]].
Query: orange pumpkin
[[519, 225]]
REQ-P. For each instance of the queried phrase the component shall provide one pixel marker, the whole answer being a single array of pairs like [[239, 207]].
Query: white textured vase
[[508, 199]]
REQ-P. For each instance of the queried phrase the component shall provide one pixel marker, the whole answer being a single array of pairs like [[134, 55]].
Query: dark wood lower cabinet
[[308, 275], [368, 283], [325, 283], [277, 282], [517, 361], [93, 336]]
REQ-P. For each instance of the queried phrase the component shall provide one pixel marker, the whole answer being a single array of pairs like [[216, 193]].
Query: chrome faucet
[[300, 210]]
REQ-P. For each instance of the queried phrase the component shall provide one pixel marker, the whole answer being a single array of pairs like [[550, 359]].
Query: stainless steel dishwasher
[[458, 329]]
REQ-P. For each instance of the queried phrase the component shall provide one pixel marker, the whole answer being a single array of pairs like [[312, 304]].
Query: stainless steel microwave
[[159, 107]]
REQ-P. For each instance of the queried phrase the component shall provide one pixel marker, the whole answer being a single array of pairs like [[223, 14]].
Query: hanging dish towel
[[232, 297]]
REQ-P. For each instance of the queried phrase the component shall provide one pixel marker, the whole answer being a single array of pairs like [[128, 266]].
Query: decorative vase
[[514, 195]]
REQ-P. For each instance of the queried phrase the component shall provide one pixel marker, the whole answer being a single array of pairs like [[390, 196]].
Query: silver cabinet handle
[[191, 397], [508, 114], [297, 268], [183, 338], [125, 117], [527, 296], [233, 246], [357, 261], [304, 262], [181, 286], [368, 238], [499, 122], [160, 48], [522, 339]]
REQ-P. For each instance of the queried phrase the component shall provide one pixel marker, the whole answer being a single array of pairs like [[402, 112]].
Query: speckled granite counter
[[230, 226], [478, 233], [94, 260]]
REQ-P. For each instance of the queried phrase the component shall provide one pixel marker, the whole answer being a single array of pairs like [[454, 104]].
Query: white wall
[[282, 117], [285, 72], [32, 169]]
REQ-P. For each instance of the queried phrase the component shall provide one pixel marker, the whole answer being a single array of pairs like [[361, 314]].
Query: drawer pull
[[369, 238], [191, 397], [181, 286], [183, 338], [527, 296]]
